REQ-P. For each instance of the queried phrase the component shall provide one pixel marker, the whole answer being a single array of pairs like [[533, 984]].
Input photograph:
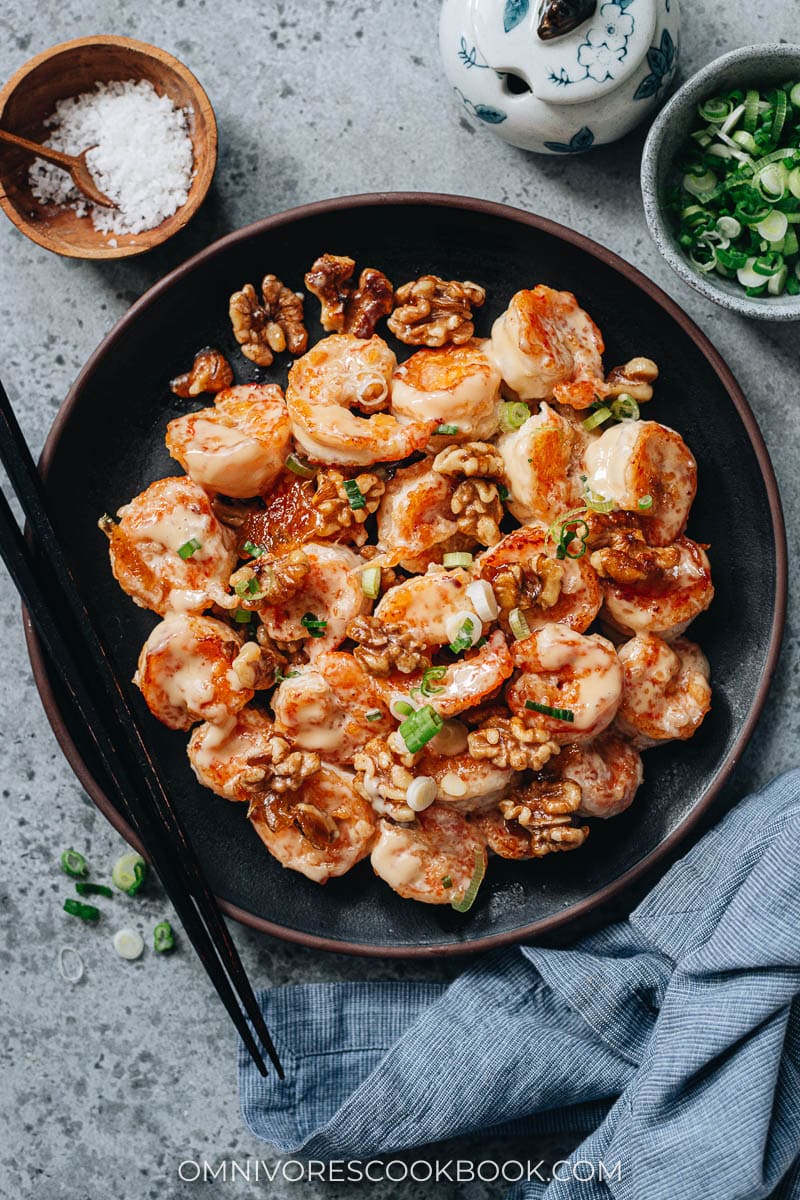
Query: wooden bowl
[[66, 70]]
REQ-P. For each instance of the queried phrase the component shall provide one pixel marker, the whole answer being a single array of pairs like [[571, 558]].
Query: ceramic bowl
[[750, 66], [66, 70]]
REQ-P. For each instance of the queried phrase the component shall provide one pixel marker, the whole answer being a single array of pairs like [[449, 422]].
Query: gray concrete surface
[[106, 1087]]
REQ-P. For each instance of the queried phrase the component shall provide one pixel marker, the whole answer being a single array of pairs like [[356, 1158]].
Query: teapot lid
[[594, 58]]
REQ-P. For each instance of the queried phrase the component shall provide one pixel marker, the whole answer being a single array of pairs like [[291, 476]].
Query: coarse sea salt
[[142, 157]]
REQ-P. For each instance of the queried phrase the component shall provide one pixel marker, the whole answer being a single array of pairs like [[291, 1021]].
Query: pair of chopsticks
[[77, 651]]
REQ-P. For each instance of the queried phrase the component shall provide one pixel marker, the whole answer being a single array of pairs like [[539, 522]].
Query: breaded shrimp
[[543, 463], [432, 859], [666, 694], [331, 593], [453, 385], [608, 772], [654, 590]]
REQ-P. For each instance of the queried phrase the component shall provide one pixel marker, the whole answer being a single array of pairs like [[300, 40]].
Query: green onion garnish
[[518, 624], [503, 492], [625, 408], [468, 899], [568, 529], [513, 415], [418, 728], [371, 582], [189, 548], [355, 497], [430, 678], [246, 587], [597, 418], [596, 503], [645, 502], [74, 864], [128, 873], [93, 889], [446, 430], [463, 639], [402, 708], [279, 675], [374, 714], [300, 467], [86, 912], [242, 616], [314, 625], [253, 550], [558, 714], [163, 937], [447, 881], [457, 558]]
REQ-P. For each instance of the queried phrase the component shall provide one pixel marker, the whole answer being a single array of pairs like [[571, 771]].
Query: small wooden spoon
[[74, 163]]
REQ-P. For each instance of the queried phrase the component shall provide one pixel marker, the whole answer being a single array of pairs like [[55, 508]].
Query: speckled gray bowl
[[757, 66]]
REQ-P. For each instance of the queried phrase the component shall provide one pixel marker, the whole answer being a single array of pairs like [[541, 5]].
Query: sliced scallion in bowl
[[736, 204]]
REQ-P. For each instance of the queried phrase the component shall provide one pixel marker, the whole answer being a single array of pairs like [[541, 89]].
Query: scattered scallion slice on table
[[76, 908], [128, 873], [128, 944], [73, 863], [738, 199], [163, 937], [93, 889]]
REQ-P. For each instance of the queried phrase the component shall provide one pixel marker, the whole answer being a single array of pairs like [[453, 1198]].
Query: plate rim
[[612, 890]]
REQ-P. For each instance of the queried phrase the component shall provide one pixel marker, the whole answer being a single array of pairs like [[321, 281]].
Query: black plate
[[107, 444]]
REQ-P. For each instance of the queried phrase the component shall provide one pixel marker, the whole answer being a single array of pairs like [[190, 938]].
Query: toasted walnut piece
[[628, 559], [470, 459], [478, 510], [432, 311], [346, 308], [333, 503], [276, 579], [605, 527], [545, 810], [550, 574], [384, 775], [266, 329], [279, 770], [289, 651], [635, 378], [535, 584], [211, 372], [506, 742], [255, 666], [383, 648], [388, 574]]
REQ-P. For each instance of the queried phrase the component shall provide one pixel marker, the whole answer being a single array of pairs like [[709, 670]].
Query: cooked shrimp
[[239, 446], [453, 385], [331, 593], [663, 599], [227, 758], [464, 783], [542, 462], [334, 707], [322, 830], [145, 548], [567, 591], [667, 693], [608, 772], [187, 671], [637, 461], [567, 670], [469, 681], [427, 603], [432, 860], [415, 515], [543, 342], [340, 373]]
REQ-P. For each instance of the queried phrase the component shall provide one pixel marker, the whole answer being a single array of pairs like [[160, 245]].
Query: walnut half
[[383, 648], [345, 307], [506, 742], [545, 810], [211, 372], [335, 505], [432, 311], [266, 329]]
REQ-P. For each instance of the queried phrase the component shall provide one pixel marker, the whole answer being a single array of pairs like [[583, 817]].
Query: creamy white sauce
[[395, 859], [224, 457], [607, 461]]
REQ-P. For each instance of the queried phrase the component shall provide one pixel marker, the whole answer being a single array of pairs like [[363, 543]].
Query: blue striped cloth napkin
[[668, 1043]]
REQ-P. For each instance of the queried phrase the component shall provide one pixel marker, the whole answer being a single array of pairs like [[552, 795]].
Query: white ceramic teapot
[[560, 76]]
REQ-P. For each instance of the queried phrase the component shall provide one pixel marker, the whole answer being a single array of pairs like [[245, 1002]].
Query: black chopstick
[[44, 581]]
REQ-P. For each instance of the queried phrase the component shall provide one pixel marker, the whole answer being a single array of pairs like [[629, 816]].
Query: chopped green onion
[[247, 587], [355, 497], [776, 283], [596, 503], [700, 185], [768, 264], [558, 714], [73, 863], [715, 110], [163, 937], [751, 110], [503, 492], [729, 227], [513, 415], [401, 708], [794, 95], [189, 548], [447, 881], [645, 502], [279, 675], [794, 182], [128, 873], [597, 418], [86, 912], [253, 550], [374, 714], [300, 467], [464, 637], [446, 430], [371, 582], [418, 728], [518, 624], [241, 616], [93, 889], [315, 626], [779, 117], [625, 408], [468, 899], [746, 141], [458, 558], [128, 944], [429, 685]]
